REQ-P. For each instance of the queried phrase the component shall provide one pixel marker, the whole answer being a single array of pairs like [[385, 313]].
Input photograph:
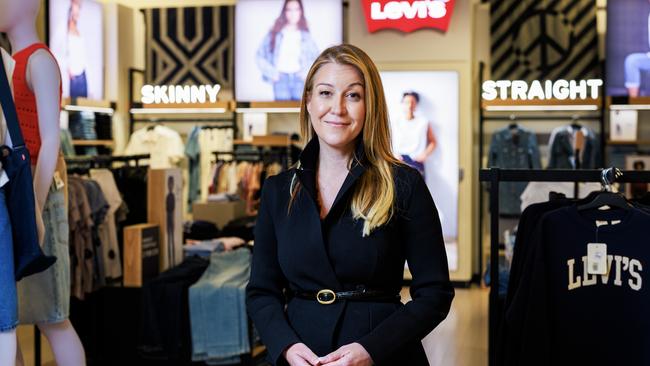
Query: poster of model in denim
[[628, 48], [276, 41], [424, 116], [77, 42]]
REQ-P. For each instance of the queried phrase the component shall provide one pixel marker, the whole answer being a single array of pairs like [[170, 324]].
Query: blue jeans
[[288, 87], [634, 64], [8, 296], [414, 164], [50, 288], [218, 309], [79, 86]]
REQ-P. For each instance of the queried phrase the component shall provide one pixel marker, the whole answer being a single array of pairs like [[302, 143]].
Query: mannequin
[[42, 79]]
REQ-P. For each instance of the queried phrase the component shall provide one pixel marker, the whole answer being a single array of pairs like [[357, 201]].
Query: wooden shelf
[[268, 140], [107, 143], [634, 142]]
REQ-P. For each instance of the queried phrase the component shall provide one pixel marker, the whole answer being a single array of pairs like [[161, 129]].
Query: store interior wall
[[428, 49], [422, 50]]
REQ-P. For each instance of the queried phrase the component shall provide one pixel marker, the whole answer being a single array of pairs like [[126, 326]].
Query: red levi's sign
[[408, 15]]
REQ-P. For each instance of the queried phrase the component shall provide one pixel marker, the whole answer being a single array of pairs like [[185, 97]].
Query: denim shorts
[[8, 297], [45, 297]]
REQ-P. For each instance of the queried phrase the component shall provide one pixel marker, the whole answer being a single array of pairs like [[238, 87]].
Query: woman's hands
[[300, 355], [349, 355]]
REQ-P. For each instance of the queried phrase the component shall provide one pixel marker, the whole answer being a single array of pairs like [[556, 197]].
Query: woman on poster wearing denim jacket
[[287, 52]]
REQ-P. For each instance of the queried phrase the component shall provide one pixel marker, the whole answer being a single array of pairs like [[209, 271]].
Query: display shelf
[[108, 143], [631, 142], [83, 105], [268, 107], [268, 140], [181, 108], [510, 105]]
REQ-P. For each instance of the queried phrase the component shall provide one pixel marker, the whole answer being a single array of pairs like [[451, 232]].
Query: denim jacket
[[562, 154], [267, 59], [508, 153]]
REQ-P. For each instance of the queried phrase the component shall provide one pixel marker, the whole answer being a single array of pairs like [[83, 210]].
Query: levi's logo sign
[[408, 15]]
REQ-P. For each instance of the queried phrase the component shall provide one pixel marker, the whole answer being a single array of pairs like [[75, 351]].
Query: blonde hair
[[374, 194]]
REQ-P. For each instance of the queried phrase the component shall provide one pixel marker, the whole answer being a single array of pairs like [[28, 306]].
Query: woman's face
[[293, 12], [336, 105]]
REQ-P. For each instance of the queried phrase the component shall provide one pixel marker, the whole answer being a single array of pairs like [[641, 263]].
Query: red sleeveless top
[[26, 100]]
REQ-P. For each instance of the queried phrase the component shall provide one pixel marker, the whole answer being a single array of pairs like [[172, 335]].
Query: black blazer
[[298, 251]]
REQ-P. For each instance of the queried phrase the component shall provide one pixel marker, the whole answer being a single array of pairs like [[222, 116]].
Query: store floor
[[461, 340]]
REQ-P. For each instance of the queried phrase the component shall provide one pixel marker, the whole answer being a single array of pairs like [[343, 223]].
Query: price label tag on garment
[[597, 258], [58, 181]]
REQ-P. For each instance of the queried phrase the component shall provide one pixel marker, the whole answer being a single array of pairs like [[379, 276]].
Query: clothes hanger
[[607, 197], [513, 123], [574, 122]]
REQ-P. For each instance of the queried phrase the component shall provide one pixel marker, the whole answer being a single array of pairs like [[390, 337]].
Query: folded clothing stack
[[205, 248]]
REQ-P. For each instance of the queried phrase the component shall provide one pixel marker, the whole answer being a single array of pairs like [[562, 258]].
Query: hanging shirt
[[410, 136], [163, 144], [513, 148], [193, 153], [577, 318], [211, 140]]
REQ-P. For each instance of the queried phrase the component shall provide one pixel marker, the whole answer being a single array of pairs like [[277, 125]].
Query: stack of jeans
[[218, 309], [82, 127]]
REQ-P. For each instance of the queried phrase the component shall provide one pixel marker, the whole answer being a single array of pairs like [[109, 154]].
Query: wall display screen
[[77, 42], [429, 114], [628, 48], [276, 42]]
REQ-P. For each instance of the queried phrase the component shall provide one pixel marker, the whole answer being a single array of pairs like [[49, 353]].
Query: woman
[[333, 234], [287, 52], [413, 138], [76, 53]]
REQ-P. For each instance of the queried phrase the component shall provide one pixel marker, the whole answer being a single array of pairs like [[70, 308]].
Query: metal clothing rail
[[103, 160], [495, 176]]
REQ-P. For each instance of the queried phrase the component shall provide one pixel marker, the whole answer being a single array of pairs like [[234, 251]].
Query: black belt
[[327, 296]]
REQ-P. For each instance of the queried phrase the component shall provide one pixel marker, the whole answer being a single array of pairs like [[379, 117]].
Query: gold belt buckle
[[326, 297]]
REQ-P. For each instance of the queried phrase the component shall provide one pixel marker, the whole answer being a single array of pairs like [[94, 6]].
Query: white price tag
[[58, 181], [597, 258]]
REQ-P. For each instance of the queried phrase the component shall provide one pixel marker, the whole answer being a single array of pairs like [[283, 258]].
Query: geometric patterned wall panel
[[544, 39], [190, 46]]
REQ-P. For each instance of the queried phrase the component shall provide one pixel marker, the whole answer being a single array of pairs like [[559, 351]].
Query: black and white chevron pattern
[[190, 46], [544, 39]]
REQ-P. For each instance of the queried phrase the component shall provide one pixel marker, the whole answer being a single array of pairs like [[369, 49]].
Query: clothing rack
[[105, 160], [537, 116], [495, 176], [259, 155], [92, 162]]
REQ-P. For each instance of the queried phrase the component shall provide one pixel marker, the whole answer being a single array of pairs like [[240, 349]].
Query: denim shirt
[[562, 154], [267, 59], [506, 152]]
